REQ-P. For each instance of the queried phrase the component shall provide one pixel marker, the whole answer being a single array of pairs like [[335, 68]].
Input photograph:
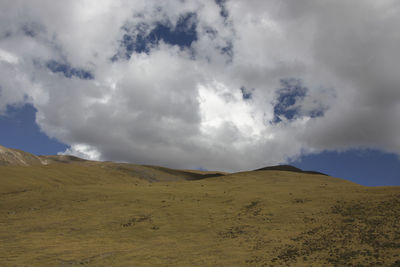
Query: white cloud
[[82, 151], [184, 107]]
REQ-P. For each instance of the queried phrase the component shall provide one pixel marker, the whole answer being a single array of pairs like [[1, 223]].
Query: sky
[[219, 85]]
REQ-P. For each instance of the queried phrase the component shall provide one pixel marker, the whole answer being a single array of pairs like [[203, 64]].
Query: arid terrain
[[65, 211]]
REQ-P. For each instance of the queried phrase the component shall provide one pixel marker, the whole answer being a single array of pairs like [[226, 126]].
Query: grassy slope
[[106, 215]]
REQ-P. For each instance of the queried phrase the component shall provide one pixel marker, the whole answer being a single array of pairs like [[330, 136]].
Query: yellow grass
[[105, 214]]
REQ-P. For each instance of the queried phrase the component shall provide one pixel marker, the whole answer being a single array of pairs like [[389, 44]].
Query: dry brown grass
[[104, 214]]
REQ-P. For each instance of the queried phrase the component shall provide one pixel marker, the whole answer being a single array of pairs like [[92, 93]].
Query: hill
[[287, 168], [74, 212], [17, 157]]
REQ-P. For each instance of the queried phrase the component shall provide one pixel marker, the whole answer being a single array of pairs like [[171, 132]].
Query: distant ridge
[[288, 168], [9, 156], [62, 159], [16, 157]]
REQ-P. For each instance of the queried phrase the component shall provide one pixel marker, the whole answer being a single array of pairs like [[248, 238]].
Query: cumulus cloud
[[228, 85]]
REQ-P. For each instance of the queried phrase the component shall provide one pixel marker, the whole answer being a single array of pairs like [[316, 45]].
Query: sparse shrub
[[252, 205], [136, 220], [371, 226], [233, 232]]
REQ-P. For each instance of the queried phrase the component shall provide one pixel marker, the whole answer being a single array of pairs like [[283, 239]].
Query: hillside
[[63, 165], [17, 157], [72, 212]]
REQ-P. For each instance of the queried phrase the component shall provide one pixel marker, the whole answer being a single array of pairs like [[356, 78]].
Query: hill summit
[[287, 168], [17, 157]]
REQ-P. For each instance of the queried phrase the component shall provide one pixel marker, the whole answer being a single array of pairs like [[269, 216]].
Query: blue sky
[[19, 130], [224, 85], [367, 167]]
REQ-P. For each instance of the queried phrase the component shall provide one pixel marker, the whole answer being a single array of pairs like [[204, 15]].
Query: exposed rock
[[17, 157]]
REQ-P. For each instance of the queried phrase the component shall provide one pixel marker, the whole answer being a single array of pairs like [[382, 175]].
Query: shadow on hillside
[[288, 168]]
